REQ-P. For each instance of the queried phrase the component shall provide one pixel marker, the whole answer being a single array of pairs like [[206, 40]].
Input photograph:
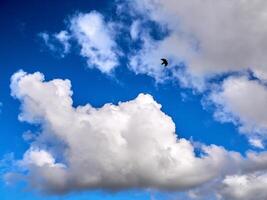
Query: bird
[[164, 62]]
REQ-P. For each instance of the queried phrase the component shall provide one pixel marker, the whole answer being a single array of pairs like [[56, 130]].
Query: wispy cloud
[[57, 43]]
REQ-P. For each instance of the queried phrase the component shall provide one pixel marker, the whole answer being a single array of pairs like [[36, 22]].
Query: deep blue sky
[[21, 48]]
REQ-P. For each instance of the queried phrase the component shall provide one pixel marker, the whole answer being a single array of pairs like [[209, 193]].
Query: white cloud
[[46, 38], [135, 29], [95, 37], [147, 60], [58, 42], [243, 102], [245, 187], [129, 145], [38, 158], [97, 40], [63, 37], [256, 143]]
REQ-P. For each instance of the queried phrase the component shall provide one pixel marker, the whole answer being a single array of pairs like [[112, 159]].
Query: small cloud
[[28, 136], [256, 143], [47, 40], [95, 37], [63, 37], [57, 43], [97, 41], [135, 29]]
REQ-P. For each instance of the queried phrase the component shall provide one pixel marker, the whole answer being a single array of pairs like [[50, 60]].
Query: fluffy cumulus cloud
[[129, 145]]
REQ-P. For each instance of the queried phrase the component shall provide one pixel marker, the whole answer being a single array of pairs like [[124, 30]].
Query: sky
[[87, 111]]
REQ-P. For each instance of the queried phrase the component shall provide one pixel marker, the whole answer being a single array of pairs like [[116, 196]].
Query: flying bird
[[164, 62]]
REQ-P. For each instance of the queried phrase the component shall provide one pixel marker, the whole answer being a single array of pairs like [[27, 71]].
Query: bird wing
[[164, 61]]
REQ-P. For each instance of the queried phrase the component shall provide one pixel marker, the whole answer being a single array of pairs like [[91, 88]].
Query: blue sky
[[201, 105]]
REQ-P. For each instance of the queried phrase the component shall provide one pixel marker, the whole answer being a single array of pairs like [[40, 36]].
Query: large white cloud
[[129, 145]]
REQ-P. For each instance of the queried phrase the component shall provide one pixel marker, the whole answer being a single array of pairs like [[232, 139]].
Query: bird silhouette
[[164, 62]]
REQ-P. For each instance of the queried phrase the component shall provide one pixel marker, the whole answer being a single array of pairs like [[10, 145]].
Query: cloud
[[243, 102], [58, 42], [63, 37], [244, 187], [94, 35], [97, 40], [252, 169], [129, 145], [46, 38], [211, 37], [147, 59]]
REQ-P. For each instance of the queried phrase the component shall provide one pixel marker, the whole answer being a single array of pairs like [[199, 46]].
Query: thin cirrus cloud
[[83, 148]]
